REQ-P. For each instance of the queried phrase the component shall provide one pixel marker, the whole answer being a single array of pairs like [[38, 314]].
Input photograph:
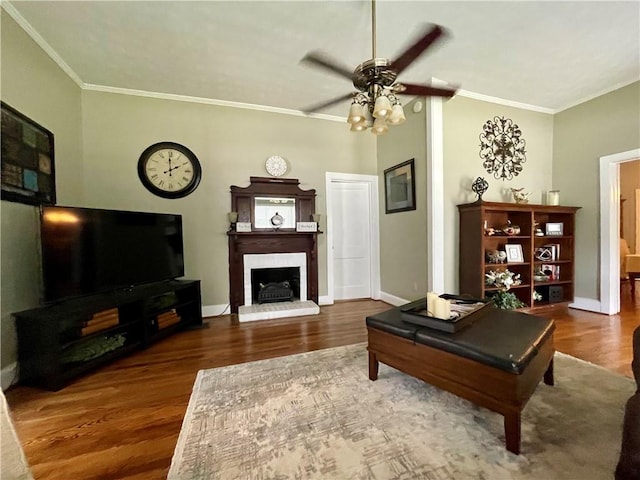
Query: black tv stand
[[59, 342]]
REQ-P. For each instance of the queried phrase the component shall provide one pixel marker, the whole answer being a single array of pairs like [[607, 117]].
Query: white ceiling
[[547, 54]]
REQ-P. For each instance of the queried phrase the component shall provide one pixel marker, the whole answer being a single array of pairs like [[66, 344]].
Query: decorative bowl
[[511, 230], [540, 278]]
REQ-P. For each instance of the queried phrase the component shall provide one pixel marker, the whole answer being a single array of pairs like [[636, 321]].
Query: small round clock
[[276, 166], [277, 220], [169, 170]]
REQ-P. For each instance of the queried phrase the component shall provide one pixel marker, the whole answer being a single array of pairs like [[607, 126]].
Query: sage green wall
[[34, 85], [232, 145], [603, 126], [403, 235], [463, 121]]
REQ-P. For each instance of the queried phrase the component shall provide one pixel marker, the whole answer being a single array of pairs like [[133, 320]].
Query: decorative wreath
[[502, 148]]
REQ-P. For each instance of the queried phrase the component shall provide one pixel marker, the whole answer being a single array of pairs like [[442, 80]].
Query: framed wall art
[[28, 169], [400, 187]]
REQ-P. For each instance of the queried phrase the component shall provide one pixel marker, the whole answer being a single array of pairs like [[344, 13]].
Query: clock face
[[276, 166], [169, 170]]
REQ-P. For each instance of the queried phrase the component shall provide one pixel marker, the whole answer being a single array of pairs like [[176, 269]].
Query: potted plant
[[504, 280]]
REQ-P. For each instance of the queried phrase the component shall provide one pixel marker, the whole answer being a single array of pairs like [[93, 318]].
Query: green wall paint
[[403, 235], [232, 144], [34, 85], [603, 126], [463, 122]]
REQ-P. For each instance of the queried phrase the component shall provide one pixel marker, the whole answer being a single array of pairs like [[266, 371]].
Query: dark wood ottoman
[[496, 362]]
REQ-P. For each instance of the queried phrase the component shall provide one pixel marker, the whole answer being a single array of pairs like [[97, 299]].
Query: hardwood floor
[[122, 421]]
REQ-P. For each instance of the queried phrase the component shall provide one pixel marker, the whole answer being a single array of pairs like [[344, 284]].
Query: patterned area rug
[[318, 416]]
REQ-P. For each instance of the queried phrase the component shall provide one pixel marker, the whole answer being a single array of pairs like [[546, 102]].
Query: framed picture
[[514, 253], [554, 228], [28, 169], [400, 187]]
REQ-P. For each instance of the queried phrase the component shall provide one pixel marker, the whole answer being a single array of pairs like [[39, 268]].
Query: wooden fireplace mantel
[[270, 242], [264, 241]]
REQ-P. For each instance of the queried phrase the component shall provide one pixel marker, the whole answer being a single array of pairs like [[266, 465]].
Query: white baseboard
[[392, 299], [215, 310], [588, 304], [325, 300], [9, 375]]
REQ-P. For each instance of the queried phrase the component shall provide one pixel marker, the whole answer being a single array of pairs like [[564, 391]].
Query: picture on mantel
[[502, 148]]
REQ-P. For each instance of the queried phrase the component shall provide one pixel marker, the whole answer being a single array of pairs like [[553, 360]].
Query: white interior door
[[351, 217]]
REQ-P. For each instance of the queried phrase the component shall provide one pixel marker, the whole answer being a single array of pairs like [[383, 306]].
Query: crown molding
[[596, 95], [42, 43], [208, 101], [501, 101]]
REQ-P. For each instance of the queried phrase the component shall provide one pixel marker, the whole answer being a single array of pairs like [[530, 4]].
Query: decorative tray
[[464, 311]]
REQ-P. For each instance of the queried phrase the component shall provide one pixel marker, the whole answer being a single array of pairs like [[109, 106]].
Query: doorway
[[610, 229], [353, 265]]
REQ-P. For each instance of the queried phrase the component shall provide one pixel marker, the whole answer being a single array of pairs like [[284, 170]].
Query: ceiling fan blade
[[424, 90], [414, 51], [323, 105], [319, 59]]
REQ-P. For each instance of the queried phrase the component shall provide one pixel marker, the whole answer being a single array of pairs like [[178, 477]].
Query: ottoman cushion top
[[502, 339]]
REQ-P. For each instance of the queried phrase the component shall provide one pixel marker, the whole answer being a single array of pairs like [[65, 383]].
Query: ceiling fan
[[375, 80]]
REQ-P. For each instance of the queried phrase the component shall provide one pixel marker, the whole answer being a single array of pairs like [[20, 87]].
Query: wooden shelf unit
[[557, 291], [59, 342]]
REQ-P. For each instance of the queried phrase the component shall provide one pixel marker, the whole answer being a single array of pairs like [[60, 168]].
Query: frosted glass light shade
[[380, 127], [356, 113], [368, 118], [382, 107], [358, 127], [397, 115]]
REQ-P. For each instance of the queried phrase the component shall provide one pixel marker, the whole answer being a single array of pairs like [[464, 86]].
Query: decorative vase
[[553, 197]]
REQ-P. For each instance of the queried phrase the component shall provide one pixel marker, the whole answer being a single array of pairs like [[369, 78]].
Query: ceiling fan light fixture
[[396, 117], [356, 112], [380, 126], [382, 107], [358, 127]]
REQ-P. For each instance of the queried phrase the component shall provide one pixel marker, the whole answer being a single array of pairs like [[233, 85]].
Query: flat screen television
[[87, 251]]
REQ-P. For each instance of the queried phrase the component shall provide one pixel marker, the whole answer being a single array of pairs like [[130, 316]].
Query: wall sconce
[[233, 219]]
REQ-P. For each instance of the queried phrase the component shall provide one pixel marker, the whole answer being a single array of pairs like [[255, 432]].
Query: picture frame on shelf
[[400, 187], [554, 228], [514, 253], [28, 168]]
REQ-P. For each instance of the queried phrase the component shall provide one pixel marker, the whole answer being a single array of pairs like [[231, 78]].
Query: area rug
[[318, 416]]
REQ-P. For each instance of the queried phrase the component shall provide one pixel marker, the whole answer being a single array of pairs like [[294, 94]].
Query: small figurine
[[519, 196], [496, 256], [479, 186]]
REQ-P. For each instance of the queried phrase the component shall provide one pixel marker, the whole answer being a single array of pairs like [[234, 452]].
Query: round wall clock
[[169, 170], [276, 166]]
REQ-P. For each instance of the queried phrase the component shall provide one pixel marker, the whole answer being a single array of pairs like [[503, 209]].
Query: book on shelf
[[555, 250], [551, 271]]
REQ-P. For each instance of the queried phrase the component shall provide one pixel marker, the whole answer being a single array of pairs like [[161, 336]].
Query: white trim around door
[[372, 180], [610, 229]]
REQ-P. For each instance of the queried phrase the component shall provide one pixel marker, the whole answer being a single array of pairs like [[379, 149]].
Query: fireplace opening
[[269, 285]]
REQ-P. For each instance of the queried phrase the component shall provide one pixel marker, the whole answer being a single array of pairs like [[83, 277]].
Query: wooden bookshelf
[[552, 251]]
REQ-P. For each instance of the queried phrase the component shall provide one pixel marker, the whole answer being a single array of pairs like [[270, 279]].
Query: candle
[[431, 299], [442, 308]]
